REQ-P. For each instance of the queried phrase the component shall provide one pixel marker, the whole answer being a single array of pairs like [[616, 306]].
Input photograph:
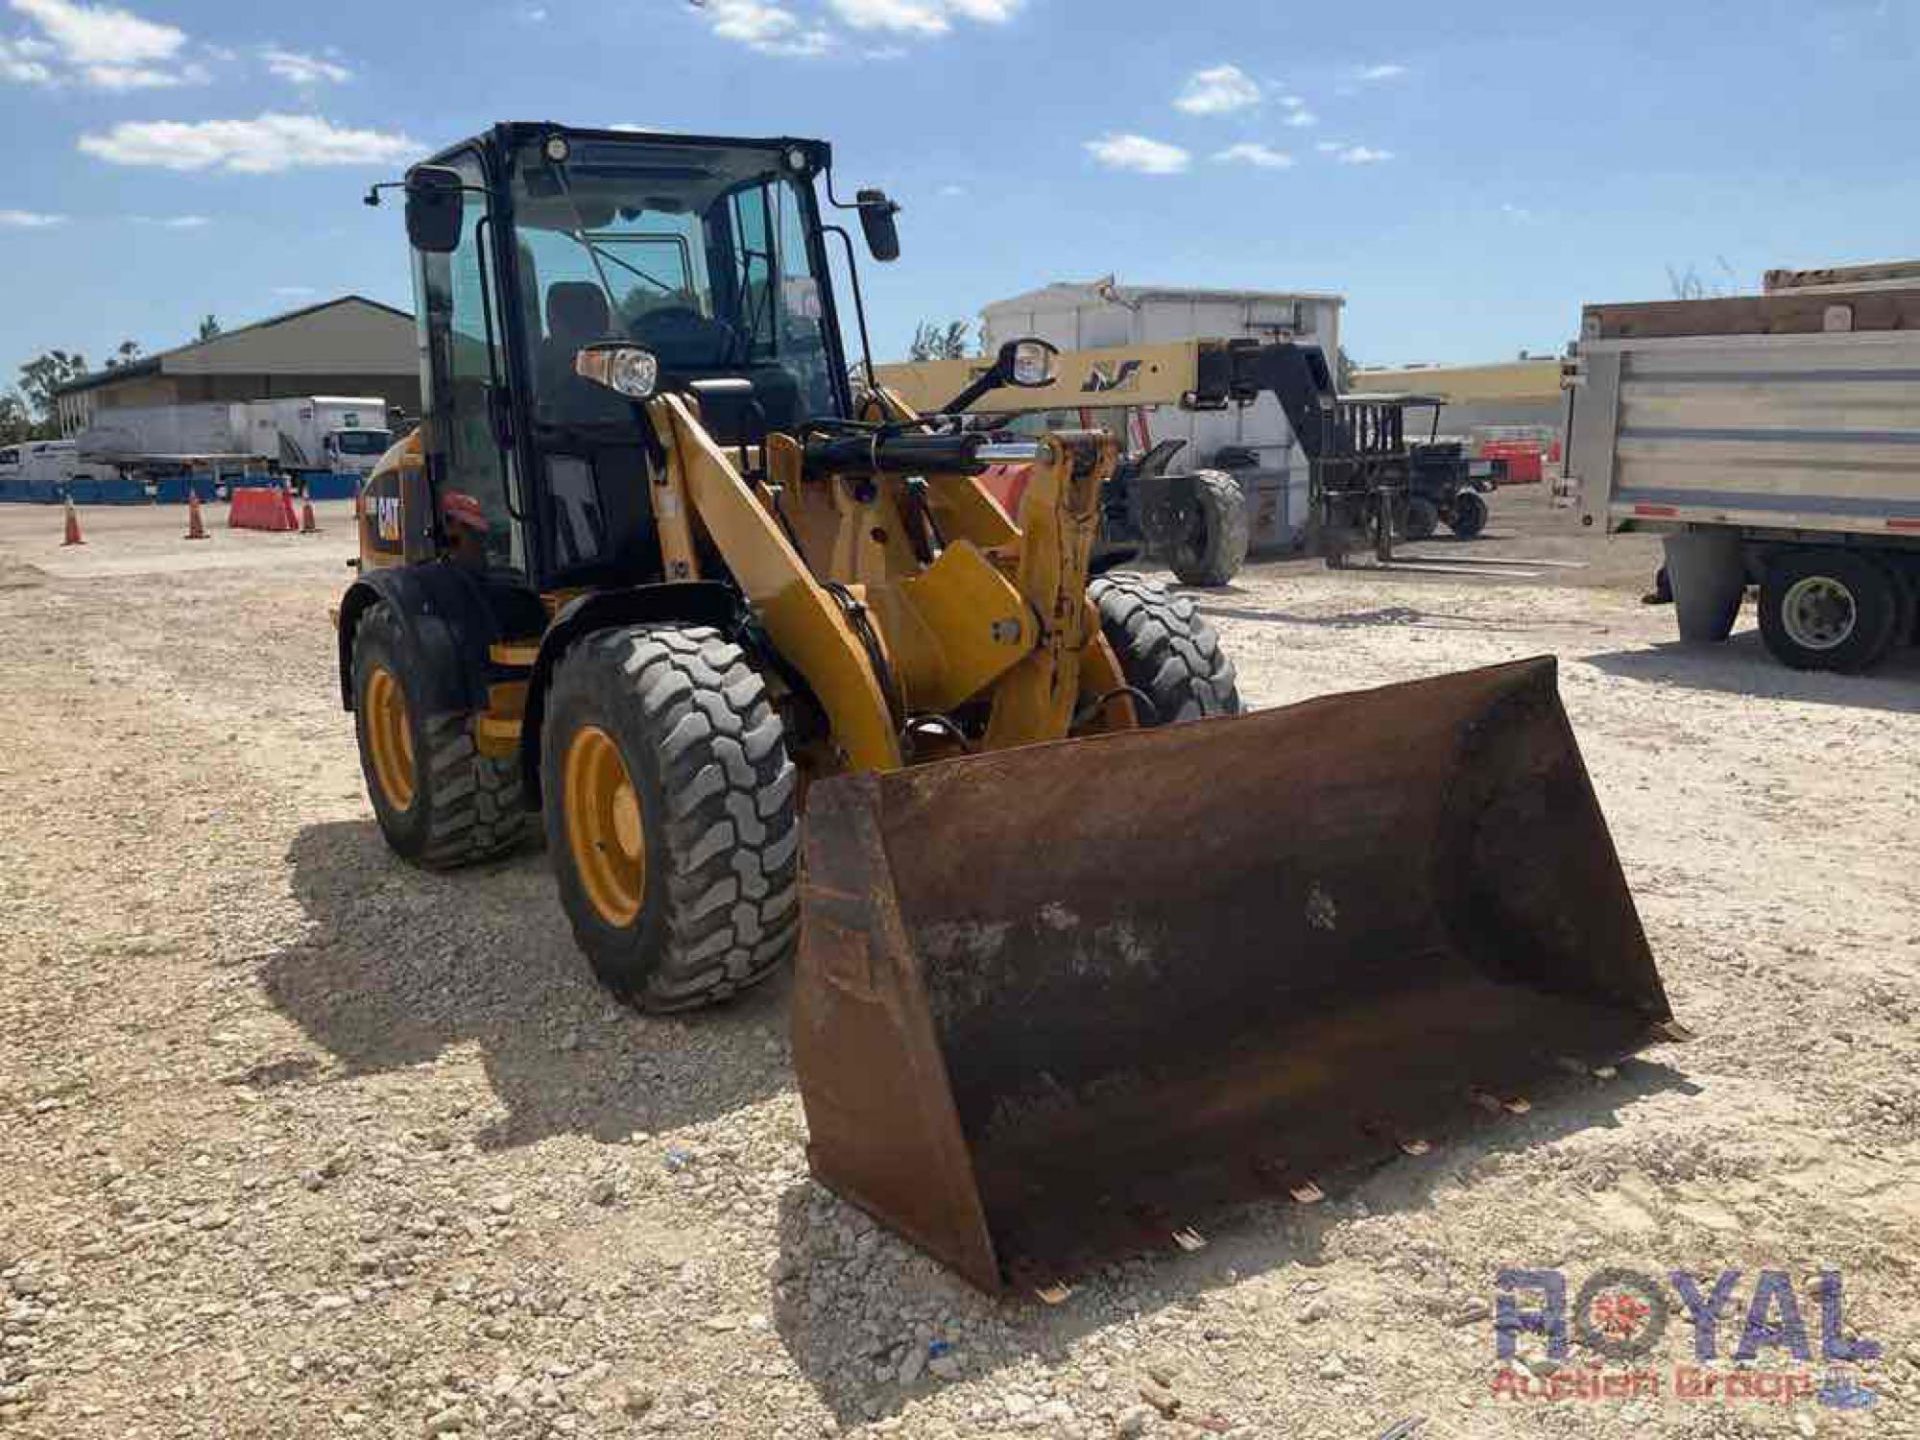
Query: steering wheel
[[681, 328]]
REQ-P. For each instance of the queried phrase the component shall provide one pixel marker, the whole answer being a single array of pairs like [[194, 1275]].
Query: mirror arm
[[992, 380], [853, 283]]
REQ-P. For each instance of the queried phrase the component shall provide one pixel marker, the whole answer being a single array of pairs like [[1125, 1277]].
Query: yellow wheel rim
[[390, 737], [604, 828]]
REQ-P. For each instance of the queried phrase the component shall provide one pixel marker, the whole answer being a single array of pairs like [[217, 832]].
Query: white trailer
[[127, 435], [337, 433], [1773, 440], [1253, 443]]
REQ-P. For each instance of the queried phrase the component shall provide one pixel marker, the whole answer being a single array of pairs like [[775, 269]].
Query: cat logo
[[1108, 377], [386, 515]]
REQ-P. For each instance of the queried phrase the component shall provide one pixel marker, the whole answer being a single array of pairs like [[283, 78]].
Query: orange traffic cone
[[73, 525], [196, 527], [308, 525]]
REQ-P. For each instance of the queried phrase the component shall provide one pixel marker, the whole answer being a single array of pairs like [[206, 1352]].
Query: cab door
[[474, 479]]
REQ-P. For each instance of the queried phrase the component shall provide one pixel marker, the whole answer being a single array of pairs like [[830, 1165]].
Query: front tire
[[1828, 610], [671, 814], [1166, 650], [1212, 545], [1467, 516], [440, 803]]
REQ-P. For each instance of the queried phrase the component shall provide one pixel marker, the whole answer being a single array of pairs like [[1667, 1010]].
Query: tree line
[[27, 409]]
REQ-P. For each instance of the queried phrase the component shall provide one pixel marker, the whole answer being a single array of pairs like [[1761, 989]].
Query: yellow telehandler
[[655, 571]]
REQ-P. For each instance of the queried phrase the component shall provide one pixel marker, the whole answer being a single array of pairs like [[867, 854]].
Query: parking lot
[[300, 1141]]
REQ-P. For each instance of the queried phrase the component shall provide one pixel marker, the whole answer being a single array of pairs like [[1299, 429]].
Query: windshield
[[697, 252], [362, 442]]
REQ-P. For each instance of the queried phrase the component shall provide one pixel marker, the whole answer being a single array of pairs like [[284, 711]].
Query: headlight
[[1031, 364], [630, 370]]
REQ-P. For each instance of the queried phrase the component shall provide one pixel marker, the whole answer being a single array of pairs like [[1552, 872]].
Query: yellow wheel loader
[[654, 572]]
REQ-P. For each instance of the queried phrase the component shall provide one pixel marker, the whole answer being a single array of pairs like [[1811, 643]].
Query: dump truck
[[1771, 440], [1080, 947]]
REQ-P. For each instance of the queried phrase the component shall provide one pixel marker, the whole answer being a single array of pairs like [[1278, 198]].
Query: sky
[[1466, 175]]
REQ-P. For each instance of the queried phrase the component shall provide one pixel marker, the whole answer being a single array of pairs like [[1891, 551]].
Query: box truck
[[332, 433]]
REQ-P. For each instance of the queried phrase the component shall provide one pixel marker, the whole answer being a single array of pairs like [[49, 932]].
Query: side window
[[800, 312], [459, 311]]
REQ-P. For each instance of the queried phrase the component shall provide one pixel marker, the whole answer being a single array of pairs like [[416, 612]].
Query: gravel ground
[[298, 1141]]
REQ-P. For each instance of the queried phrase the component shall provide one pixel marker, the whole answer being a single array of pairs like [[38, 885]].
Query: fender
[[699, 602], [444, 611]]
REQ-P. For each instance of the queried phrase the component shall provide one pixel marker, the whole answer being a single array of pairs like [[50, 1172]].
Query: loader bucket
[[1055, 1004]]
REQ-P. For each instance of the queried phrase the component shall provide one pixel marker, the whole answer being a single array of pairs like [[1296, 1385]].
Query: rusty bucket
[[1056, 1004]]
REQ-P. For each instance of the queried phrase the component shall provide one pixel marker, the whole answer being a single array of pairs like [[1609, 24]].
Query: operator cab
[[535, 244]]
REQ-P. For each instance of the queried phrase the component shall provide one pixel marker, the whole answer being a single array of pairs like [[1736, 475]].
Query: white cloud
[[263, 145], [1218, 91], [302, 69], [1363, 155], [951, 192], [921, 17], [1301, 118], [1137, 152], [97, 45], [29, 220], [174, 222], [637, 129], [904, 17], [1331, 147], [23, 61], [1519, 214], [1252, 152], [765, 26], [1388, 71]]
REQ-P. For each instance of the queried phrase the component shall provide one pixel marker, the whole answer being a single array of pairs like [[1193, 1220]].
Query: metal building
[[347, 346]]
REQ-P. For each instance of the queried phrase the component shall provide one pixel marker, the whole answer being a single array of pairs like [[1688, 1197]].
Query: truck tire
[[1422, 518], [1213, 545], [1166, 650], [440, 803], [1828, 610], [1467, 516], [671, 814]]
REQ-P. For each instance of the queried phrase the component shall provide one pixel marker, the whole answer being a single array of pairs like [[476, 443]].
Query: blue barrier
[[45, 492], [332, 485], [172, 489], [83, 490], [121, 491]]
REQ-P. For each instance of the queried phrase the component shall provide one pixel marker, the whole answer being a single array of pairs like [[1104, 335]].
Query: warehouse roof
[[240, 349]]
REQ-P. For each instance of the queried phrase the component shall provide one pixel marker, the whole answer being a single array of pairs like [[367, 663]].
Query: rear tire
[[1215, 547], [1467, 516], [1166, 650], [1828, 610], [440, 803], [684, 890]]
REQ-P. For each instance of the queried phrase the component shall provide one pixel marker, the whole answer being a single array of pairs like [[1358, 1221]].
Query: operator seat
[[577, 315]]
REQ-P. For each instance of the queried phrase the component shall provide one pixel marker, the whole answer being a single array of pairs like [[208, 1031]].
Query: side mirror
[[434, 209], [1027, 364], [876, 221]]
